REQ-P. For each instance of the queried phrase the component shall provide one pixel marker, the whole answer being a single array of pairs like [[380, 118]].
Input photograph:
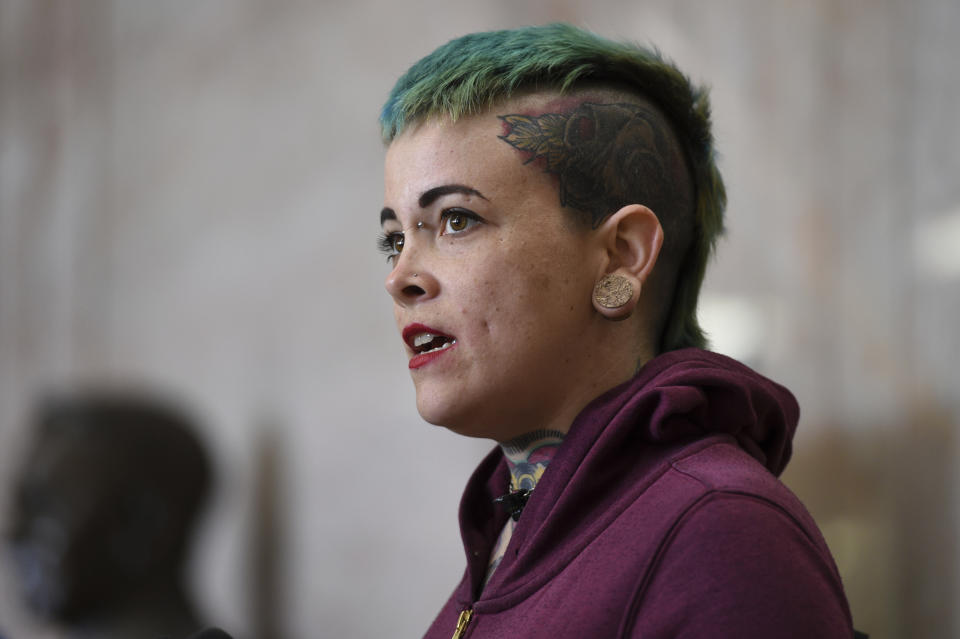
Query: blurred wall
[[188, 201]]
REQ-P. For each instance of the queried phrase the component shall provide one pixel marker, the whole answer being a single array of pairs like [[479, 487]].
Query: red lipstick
[[427, 343]]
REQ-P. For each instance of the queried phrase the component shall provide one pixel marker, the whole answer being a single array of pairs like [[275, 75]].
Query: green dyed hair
[[470, 74]]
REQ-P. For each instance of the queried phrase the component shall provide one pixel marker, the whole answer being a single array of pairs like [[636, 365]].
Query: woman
[[551, 201]]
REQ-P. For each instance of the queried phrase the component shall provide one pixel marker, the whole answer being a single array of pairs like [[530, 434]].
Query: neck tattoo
[[527, 457]]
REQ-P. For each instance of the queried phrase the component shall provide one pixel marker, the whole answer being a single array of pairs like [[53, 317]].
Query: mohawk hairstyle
[[470, 74]]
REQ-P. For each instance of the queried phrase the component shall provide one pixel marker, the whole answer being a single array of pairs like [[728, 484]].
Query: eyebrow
[[430, 196]]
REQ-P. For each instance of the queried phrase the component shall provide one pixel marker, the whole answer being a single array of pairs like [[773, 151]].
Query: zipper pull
[[462, 623]]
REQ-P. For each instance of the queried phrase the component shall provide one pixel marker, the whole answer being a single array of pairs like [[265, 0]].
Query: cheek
[[526, 300]]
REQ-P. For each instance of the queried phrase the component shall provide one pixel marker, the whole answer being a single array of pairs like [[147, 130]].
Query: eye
[[390, 244], [454, 221]]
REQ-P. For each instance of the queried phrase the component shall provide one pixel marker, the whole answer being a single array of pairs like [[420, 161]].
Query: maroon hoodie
[[660, 516]]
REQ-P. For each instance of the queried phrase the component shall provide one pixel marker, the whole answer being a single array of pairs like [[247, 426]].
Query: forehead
[[469, 151], [439, 149]]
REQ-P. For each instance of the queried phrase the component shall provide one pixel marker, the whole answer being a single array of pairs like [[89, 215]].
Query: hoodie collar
[[674, 399]]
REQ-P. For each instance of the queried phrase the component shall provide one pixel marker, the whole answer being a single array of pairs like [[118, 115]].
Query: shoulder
[[719, 467], [743, 556]]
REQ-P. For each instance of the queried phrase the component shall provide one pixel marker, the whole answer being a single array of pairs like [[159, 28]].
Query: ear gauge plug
[[612, 291], [611, 295]]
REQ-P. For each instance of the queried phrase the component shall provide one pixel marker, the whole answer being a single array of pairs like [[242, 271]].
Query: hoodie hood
[[694, 393], [625, 437]]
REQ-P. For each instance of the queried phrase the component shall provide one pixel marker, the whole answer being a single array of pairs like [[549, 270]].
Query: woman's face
[[492, 267]]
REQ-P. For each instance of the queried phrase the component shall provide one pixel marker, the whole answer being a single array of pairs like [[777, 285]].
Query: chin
[[454, 417]]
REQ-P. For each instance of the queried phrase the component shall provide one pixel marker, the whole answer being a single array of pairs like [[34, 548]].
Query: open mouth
[[429, 342]]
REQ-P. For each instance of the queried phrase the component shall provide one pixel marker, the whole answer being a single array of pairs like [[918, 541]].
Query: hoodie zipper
[[462, 623]]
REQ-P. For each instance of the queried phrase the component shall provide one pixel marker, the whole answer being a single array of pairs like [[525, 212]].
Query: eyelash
[[386, 242]]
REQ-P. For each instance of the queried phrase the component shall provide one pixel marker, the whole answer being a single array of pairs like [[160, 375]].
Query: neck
[[528, 456]]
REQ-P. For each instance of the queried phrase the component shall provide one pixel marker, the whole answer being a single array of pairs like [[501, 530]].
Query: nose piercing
[[419, 225], [416, 274]]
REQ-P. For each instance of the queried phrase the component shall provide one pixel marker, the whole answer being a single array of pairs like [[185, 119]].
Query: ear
[[631, 238]]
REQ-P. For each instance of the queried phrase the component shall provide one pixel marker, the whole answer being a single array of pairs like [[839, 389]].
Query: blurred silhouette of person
[[103, 510]]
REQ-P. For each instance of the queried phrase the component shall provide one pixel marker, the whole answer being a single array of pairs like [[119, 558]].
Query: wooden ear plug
[[612, 291]]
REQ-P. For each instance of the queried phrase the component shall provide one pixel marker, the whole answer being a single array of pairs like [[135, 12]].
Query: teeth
[[421, 339], [440, 348], [425, 339]]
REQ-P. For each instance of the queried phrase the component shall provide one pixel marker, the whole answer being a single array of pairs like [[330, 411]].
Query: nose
[[408, 284]]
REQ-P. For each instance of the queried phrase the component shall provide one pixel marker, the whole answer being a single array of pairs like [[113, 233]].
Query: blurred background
[[189, 197]]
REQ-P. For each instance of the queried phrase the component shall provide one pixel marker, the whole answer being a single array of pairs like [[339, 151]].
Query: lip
[[412, 330]]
